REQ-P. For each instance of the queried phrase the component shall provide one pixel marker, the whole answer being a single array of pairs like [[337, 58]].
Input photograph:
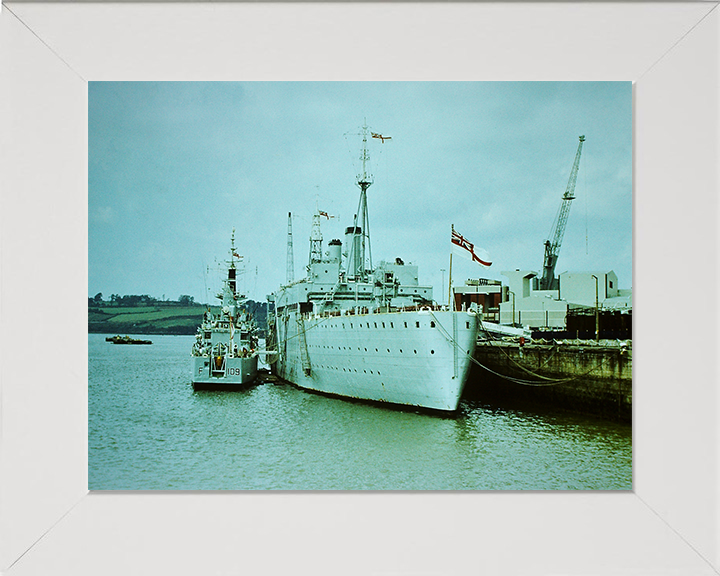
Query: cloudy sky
[[175, 167]]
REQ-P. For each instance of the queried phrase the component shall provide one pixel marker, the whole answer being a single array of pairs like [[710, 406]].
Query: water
[[148, 430]]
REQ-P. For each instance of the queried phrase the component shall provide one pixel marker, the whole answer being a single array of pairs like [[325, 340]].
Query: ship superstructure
[[373, 333], [225, 353]]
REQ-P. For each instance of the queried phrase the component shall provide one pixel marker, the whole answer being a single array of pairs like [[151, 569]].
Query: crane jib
[[552, 249]]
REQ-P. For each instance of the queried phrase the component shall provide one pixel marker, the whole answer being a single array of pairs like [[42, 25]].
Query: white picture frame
[[49, 523]]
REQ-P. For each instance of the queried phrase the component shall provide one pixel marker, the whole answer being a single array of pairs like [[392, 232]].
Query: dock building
[[487, 294], [521, 303]]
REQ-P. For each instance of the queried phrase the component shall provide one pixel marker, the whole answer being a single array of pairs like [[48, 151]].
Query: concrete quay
[[580, 376]]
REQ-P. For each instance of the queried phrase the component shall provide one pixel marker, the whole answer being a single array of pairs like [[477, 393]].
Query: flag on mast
[[466, 249]]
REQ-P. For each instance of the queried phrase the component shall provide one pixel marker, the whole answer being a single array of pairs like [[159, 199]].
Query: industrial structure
[[549, 309], [548, 281], [485, 293], [570, 301], [519, 303]]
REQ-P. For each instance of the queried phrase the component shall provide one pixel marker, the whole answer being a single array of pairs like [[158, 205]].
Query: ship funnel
[[353, 241], [334, 250]]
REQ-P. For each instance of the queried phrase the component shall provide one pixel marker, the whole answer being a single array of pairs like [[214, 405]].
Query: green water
[[148, 430]]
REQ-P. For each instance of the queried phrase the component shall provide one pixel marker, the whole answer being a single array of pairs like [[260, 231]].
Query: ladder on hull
[[304, 356]]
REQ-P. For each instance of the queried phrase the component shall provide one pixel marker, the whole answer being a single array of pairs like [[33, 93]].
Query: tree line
[[140, 300]]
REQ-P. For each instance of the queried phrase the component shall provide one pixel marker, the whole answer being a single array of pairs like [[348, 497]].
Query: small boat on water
[[126, 340], [225, 353]]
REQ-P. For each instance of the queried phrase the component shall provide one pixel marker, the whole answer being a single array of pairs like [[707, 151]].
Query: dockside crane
[[552, 247]]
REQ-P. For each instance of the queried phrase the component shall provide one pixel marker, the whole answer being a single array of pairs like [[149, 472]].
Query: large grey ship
[[372, 333]]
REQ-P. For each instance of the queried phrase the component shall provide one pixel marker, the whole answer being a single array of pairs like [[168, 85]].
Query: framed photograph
[[334, 288], [55, 55]]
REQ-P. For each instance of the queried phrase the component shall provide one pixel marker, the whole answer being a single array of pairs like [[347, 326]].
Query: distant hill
[[157, 318]]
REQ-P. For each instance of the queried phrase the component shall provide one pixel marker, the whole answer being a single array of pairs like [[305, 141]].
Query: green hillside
[[144, 320], [158, 319]]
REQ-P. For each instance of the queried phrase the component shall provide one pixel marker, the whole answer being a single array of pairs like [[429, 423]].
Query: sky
[[175, 167]]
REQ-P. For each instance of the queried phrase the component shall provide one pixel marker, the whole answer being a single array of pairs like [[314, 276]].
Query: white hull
[[229, 373], [418, 358]]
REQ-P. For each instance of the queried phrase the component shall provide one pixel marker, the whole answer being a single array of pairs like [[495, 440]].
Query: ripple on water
[[148, 430]]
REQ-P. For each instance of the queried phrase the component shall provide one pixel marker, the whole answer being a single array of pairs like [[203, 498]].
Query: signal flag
[[463, 247]]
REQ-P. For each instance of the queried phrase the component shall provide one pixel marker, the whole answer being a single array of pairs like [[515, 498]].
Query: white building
[[528, 306]]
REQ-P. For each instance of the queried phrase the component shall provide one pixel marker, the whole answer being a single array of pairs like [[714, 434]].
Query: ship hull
[[229, 373], [418, 358]]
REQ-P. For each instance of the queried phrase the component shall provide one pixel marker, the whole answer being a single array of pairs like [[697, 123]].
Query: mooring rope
[[548, 381]]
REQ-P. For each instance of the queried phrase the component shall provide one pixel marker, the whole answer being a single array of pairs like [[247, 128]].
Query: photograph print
[[360, 286]]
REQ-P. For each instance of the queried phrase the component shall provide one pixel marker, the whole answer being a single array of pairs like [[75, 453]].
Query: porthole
[[432, 324], [432, 351]]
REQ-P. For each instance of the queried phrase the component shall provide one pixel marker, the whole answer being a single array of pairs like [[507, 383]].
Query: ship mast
[[290, 267], [231, 291], [364, 180], [232, 270], [316, 238]]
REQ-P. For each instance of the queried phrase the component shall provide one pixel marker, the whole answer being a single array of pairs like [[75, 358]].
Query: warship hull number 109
[[225, 353]]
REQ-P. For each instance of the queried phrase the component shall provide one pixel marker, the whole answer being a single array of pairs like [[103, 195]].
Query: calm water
[[148, 430]]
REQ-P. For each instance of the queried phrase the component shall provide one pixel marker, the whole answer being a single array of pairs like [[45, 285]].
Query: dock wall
[[582, 377]]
